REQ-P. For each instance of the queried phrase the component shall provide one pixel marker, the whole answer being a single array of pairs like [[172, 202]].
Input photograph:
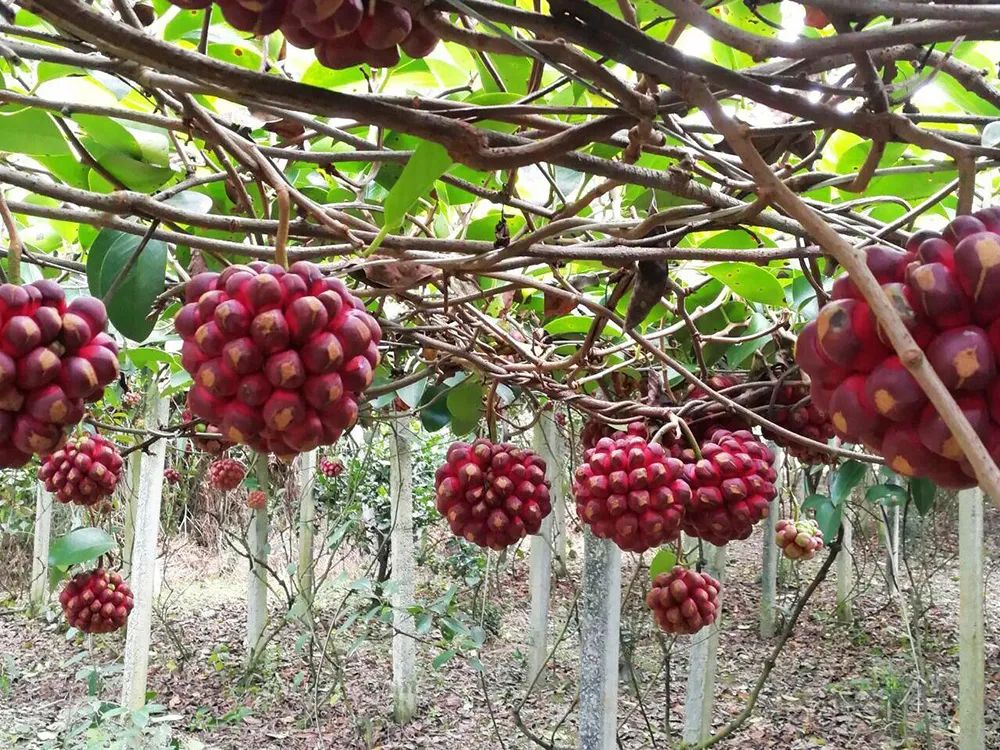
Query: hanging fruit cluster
[[96, 601], [798, 540], [795, 411], [640, 496], [212, 445], [331, 467], [492, 495], [684, 601], [732, 486], [84, 471], [945, 287], [631, 491], [279, 358], [226, 474], [54, 357], [256, 500], [341, 33]]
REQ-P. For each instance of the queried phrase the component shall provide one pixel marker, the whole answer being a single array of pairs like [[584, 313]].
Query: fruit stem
[[377, 242], [690, 437], [14, 242], [491, 412], [284, 218]]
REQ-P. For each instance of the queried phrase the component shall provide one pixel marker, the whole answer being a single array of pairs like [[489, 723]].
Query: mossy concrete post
[[546, 436], [971, 655], [769, 564], [305, 469], [258, 548], [599, 643], [404, 645], [703, 660], [129, 495], [845, 572], [39, 592], [144, 554]]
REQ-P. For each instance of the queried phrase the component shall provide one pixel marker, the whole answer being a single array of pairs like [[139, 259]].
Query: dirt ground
[[834, 686]]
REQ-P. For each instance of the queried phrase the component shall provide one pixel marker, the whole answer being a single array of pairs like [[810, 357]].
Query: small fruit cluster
[[631, 491], [732, 486], [799, 540], [684, 601], [279, 358], [172, 475], [84, 471], [492, 495], [54, 357], [945, 287], [795, 411], [331, 467], [342, 33], [226, 474], [132, 399], [96, 601], [256, 499]]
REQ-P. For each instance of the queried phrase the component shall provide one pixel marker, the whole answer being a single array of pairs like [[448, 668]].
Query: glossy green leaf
[[750, 282], [924, 492], [428, 162], [79, 546], [30, 131], [465, 404], [663, 562], [132, 301], [888, 494], [847, 476]]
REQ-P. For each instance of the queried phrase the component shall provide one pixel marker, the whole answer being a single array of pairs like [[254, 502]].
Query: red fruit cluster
[[342, 33], [732, 486], [84, 471], [799, 540], [631, 491], [226, 474], [683, 601], [132, 399], [54, 357], [331, 467], [795, 411], [96, 601], [279, 358], [945, 287], [172, 475], [493, 495], [256, 499]]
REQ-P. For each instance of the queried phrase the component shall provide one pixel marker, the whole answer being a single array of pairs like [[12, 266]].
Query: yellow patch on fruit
[[57, 412], [884, 401], [839, 421], [901, 466], [966, 362], [923, 277], [288, 371], [951, 449], [235, 435], [283, 418], [206, 377]]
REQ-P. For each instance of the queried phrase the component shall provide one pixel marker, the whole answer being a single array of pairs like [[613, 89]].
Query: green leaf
[[30, 131], [443, 658], [150, 358], [924, 492], [434, 414], [828, 518], [132, 302], [663, 561], [848, 476], [887, 494], [814, 501], [465, 404], [750, 282], [80, 545], [429, 161]]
